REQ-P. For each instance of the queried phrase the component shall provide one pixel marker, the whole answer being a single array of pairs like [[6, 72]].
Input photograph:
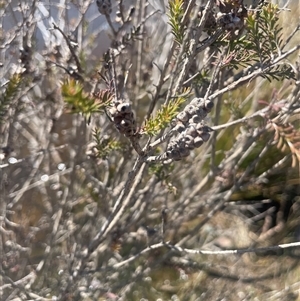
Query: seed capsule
[[175, 154], [198, 142], [117, 119], [190, 110], [195, 119], [189, 143], [208, 105], [179, 127], [184, 152], [199, 127], [201, 113], [187, 139], [198, 102], [129, 132], [104, 7], [177, 158], [113, 111], [207, 129], [205, 136], [169, 154], [124, 107], [191, 130], [183, 116], [126, 123]]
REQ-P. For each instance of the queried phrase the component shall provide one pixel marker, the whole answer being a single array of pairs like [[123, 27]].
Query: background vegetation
[[150, 150]]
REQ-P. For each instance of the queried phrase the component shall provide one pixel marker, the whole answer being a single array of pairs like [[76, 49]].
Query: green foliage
[[163, 172], [264, 32], [280, 72], [8, 96], [175, 19], [104, 145], [80, 102], [261, 43], [203, 78], [163, 117]]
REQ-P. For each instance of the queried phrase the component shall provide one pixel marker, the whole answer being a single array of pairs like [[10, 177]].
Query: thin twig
[[253, 74], [206, 252], [71, 48], [41, 152], [119, 206]]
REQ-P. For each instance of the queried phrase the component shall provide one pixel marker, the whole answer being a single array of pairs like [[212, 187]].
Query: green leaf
[[103, 145], [175, 15], [163, 117], [80, 102], [9, 94]]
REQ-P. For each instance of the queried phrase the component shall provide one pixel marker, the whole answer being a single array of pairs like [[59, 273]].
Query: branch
[[70, 47], [236, 251], [206, 252], [254, 74], [120, 204]]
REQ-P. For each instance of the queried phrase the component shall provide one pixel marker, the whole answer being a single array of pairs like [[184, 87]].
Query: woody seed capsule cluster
[[230, 21], [192, 132], [230, 16], [104, 7], [26, 58], [123, 118]]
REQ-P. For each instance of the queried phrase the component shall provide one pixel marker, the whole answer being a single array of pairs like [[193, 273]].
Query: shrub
[[134, 154]]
